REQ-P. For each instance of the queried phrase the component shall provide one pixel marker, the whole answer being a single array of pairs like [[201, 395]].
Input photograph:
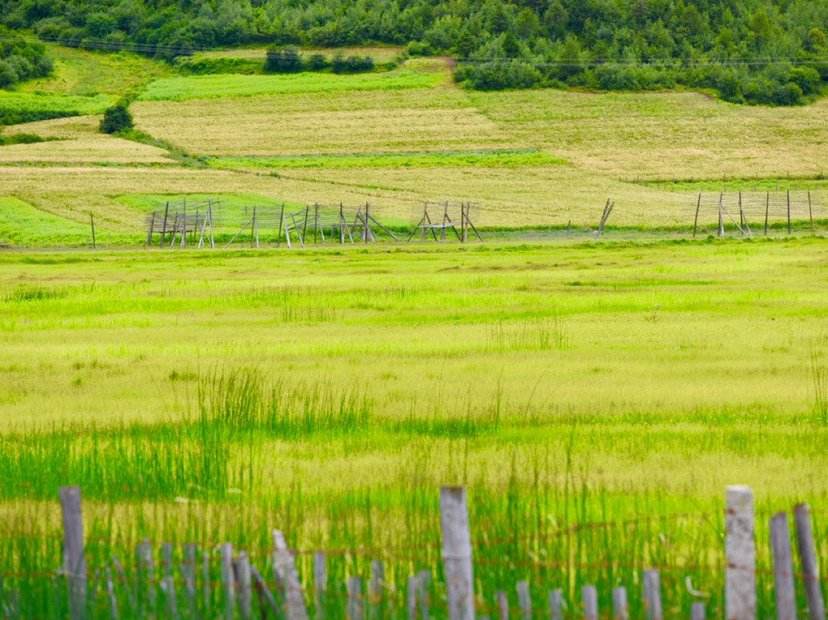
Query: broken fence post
[[810, 562], [285, 569], [740, 551], [74, 562], [245, 580], [457, 553]]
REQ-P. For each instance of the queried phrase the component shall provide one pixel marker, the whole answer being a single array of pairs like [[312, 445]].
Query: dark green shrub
[[116, 119], [352, 64], [318, 62], [283, 60]]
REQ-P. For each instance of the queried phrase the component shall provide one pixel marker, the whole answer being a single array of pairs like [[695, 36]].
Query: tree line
[[754, 51]]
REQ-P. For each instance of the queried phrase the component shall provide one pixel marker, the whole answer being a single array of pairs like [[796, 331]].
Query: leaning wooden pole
[[782, 568], [457, 553], [740, 550], [810, 562], [74, 562], [696, 218]]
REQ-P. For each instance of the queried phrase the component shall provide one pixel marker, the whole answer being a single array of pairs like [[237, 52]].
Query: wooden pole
[[151, 229], [423, 597], [376, 588], [696, 218], [620, 607], [245, 580], [164, 226], [502, 605], [188, 571], [810, 562], [740, 552], [305, 225], [285, 568], [355, 609], [316, 223], [167, 582], [281, 225], [590, 599], [556, 604], [789, 212], [320, 583], [266, 598], [782, 567], [697, 612], [741, 214], [810, 211], [524, 600], [92, 224], [342, 225], [74, 562], [721, 216], [411, 598], [457, 553], [253, 230], [206, 585], [652, 595], [767, 209], [227, 581], [146, 568]]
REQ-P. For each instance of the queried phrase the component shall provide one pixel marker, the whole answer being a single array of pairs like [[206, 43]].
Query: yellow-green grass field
[[396, 139], [208, 396]]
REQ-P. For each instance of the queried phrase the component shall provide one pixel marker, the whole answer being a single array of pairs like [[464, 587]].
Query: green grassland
[[330, 392], [396, 139]]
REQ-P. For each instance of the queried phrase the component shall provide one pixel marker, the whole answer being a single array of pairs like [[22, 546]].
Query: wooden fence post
[[740, 551], [423, 596], [92, 224], [245, 580], [227, 581], [320, 584], [810, 211], [590, 599], [457, 553], [810, 562], [285, 569], [697, 611], [188, 570], [782, 567], [74, 562], [167, 581], [789, 212], [620, 607], [411, 598], [524, 600], [146, 569], [556, 604], [652, 595], [502, 605], [767, 209], [696, 217], [376, 588], [355, 608]]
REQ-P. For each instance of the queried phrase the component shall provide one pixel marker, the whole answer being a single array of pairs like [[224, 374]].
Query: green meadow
[[210, 396]]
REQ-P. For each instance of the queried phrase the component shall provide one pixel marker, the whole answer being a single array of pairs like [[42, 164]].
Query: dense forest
[[21, 59], [756, 51]]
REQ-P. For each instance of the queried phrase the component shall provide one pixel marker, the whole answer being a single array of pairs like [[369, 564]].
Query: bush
[[283, 60], [352, 64], [318, 62], [116, 119], [499, 75]]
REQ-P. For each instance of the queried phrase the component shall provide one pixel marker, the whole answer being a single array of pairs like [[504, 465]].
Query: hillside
[[392, 138], [757, 51]]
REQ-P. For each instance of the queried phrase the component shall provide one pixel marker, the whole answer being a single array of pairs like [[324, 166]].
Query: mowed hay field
[[394, 138], [206, 397]]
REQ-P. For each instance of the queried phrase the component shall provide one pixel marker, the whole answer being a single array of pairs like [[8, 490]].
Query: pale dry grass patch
[[86, 150]]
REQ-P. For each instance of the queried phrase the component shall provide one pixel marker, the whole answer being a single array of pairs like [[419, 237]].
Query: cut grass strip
[[230, 85], [511, 158]]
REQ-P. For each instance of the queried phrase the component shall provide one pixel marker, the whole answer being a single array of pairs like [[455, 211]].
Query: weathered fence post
[[789, 212], [524, 600], [556, 604], [810, 211], [457, 553], [740, 551], [782, 567], [167, 581], [245, 581], [188, 570], [285, 569], [652, 595], [767, 209], [74, 562], [696, 217], [355, 608], [92, 224], [423, 597], [620, 607], [810, 562], [227, 581], [376, 588], [146, 569], [266, 598], [411, 598], [697, 611], [502, 605], [320, 584], [590, 599]]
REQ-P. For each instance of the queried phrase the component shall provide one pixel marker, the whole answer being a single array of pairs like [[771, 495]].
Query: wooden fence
[[283, 596]]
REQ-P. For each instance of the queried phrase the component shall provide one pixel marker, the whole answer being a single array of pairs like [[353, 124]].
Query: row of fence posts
[[239, 578], [743, 225]]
